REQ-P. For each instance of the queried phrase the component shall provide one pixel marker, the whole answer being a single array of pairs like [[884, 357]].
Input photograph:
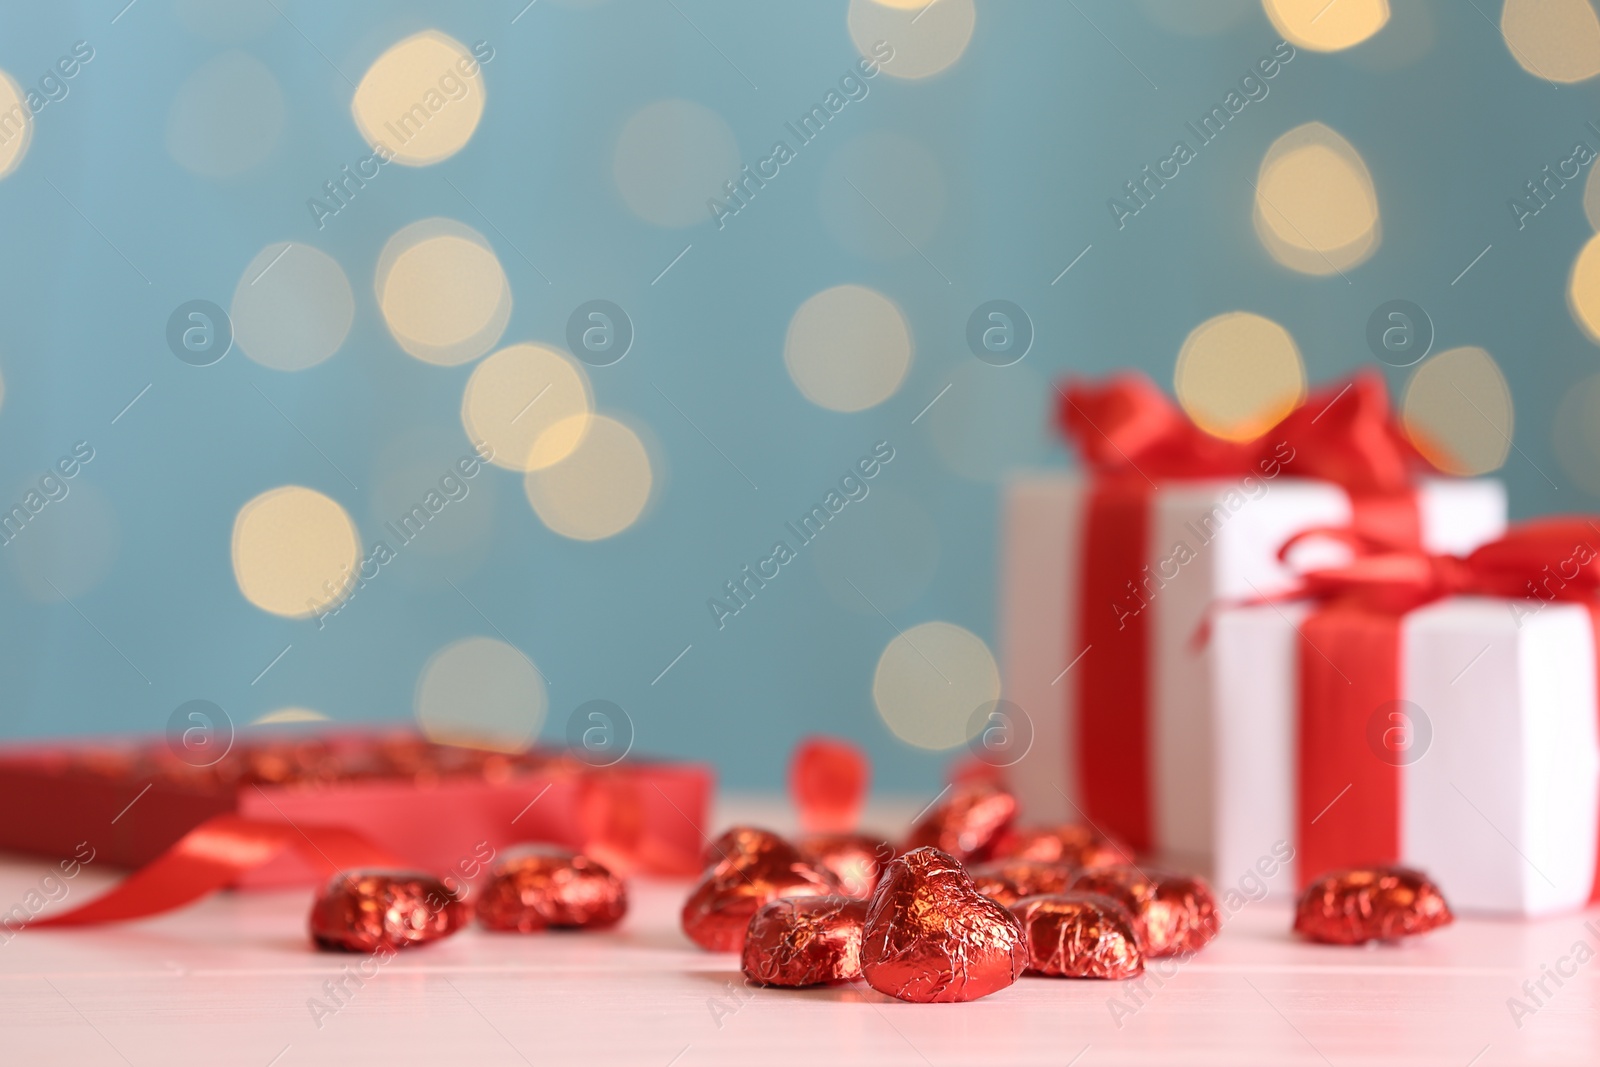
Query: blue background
[[1033, 129]]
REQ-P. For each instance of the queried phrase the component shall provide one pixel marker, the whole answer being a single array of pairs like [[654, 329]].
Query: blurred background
[[278, 276]]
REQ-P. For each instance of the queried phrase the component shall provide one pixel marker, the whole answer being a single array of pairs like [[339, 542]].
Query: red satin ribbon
[[1350, 656], [1132, 438], [214, 854]]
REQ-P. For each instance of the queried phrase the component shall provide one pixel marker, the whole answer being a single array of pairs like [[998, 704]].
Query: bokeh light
[[1558, 40], [292, 308], [1238, 374], [1576, 434], [991, 421], [601, 488], [294, 551], [70, 545], [16, 125], [1316, 209], [442, 291], [1583, 290], [483, 693], [912, 40], [1458, 412], [288, 715], [930, 681], [227, 116], [516, 400], [1327, 25], [848, 348], [422, 99], [671, 158], [882, 169]]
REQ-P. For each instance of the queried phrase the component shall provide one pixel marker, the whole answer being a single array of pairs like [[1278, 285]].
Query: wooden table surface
[[234, 980]]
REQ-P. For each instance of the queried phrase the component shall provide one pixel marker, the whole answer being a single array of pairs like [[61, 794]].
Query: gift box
[[1108, 574], [1392, 722], [438, 808]]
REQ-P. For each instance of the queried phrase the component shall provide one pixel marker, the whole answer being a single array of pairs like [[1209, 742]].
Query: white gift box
[[1233, 530], [1498, 802]]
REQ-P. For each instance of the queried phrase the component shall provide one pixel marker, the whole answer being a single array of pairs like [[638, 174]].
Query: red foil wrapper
[[1071, 843], [540, 887], [1372, 904], [1079, 935], [1008, 881], [756, 867], [1173, 914], [373, 910], [806, 941], [855, 859], [930, 937], [828, 782], [967, 823]]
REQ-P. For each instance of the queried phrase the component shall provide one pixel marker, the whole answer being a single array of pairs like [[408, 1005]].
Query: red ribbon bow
[[1344, 434], [1130, 436], [1546, 559]]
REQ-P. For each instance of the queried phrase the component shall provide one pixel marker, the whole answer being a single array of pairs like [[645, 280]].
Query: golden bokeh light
[[1458, 412], [1238, 374], [292, 308], [1583, 290], [16, 125], [1316, 210], [481, 693], [421, 100], [442, 291], [912, 40], [530, 404], [1577, 434], [671, 158], [294, 551], [601, 488], [227, 117], [289, 715], [848, 348], [1327, 25], [930, 682], [1558, 40]]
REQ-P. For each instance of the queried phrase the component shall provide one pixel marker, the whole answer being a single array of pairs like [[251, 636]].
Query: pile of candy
[[537, 887], [969, 904]]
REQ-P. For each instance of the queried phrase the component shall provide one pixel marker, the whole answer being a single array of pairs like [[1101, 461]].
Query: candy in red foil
[[1173, 914], [1370, 904], [805, 941], [1079, 935], [755, 868], [375, 910], [544, 886], [967, 822], [1074, 843], [1008, 881], [828, 783], [932, 938], [855, 859]]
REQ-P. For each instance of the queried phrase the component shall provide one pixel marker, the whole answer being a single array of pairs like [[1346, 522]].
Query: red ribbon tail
[[213, 855]]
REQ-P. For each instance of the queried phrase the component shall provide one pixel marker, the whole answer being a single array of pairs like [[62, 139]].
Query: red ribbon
[[1348, 803], [1132, 438], [214, 854]]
